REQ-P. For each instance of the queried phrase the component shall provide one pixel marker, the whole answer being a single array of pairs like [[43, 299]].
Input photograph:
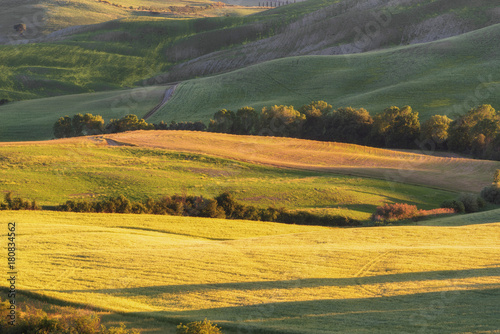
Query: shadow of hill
[[151, 291], [486, 217], [457, 311]]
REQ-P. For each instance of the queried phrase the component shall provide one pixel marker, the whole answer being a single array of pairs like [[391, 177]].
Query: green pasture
[[446, 77], [34, 119], [53, 174]]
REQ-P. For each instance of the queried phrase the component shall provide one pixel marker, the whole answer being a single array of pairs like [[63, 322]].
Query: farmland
[[359, 272], [86, 168], [265, 277]]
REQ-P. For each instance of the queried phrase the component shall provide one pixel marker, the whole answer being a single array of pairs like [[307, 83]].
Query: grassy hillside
[[261, 277], [53, 172], [34, 119], [422, 168], [47, 16], [122, 53], [322, 27], [446, 77]]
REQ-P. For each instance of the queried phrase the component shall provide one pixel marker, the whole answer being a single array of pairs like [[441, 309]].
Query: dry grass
[[458, 174]]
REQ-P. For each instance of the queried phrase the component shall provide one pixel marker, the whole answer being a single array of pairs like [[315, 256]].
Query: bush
[[34, 320], [17, 203], [491, 194], [199, 327], [396, 211], [472, 203], [466, 203], [455, 205]]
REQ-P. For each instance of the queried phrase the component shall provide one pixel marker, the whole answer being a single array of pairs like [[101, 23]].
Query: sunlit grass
[[266, 276], [86, 168]]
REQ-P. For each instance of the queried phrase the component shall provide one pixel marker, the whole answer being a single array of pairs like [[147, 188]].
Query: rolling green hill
[[34, 119], [88, 168], [445, 77], [85, 60], [157, 271], [44, 17]]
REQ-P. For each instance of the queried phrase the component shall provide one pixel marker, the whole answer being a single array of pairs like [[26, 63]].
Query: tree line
[[477, 132], [224, 206], [89, 125]]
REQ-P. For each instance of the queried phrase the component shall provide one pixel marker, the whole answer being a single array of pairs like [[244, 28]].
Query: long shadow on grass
[[438, 312], [485, 217], [151, 291]]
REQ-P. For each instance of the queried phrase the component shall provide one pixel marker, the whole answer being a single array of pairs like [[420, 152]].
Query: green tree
[[246, 121], [128, 123], [316, 109], [475, 131], [281, 121], [396, 127], [348, 125], [223, 121], [435, 129], [63, 128], [314, 125]]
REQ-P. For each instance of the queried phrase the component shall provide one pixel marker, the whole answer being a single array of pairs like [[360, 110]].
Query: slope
[[57, 18], [446, 77], [261, 277], [143, 47], [34, 119], [53, 172]]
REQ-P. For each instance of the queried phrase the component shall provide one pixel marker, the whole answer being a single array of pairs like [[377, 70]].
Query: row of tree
[[89, 125], [223, 206], [477, 132]]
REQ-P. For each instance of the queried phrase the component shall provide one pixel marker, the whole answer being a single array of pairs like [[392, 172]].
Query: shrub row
[[17, 203], [223, 206], [466, 203], [475, 132]]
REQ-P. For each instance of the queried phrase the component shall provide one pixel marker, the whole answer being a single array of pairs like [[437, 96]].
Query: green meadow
[[445, 77], [153, 272], [34, 119], [53, 174]]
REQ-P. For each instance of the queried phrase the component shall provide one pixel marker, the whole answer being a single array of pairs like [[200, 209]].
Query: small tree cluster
[[491, 193], [128, 123], [17, 203], [186, 126], [79, 125], [89, 125], [199, 327], [394, 127], [477, 132], [465, 203], [396, 211]]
